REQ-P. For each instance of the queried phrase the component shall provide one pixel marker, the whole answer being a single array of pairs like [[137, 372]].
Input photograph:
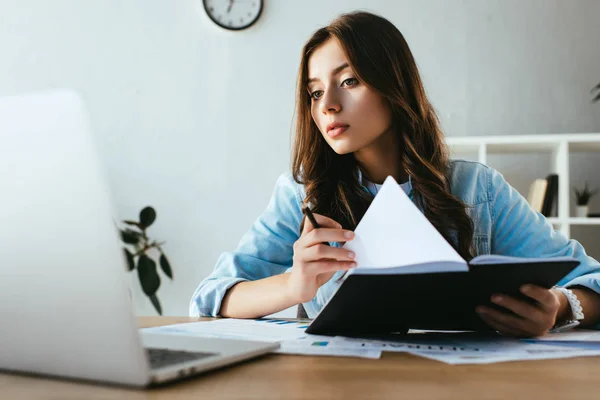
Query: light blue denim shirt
[[503, 224]]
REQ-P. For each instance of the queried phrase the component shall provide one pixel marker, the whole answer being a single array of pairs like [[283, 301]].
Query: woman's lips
[[337, 131]]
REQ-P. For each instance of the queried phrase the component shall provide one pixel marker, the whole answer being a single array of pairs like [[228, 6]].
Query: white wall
[[196, 121]]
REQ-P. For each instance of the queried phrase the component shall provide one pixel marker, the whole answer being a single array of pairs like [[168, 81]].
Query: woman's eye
[[350, 82], [316, 95]]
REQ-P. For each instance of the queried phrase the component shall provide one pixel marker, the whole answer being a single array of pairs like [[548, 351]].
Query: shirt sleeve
[[520, 231], [265, 250]]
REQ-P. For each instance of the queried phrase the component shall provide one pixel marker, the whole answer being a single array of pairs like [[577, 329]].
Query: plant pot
[[581, 211]]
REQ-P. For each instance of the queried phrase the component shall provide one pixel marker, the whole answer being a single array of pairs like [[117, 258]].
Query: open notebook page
[[395, 233], [499, 259]]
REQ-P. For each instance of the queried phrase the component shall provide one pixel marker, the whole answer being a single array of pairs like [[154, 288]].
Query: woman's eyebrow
[[335, 71]]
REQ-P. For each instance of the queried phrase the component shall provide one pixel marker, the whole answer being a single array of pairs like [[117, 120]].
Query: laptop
[[65, 306]]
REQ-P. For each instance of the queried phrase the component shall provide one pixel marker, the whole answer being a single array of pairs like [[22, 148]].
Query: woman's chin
[[343, 148]]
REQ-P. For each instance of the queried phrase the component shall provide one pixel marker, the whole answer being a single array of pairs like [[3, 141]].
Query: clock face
[[233, 14]]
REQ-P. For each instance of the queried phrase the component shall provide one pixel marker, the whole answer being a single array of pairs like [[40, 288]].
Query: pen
[[306, 211]]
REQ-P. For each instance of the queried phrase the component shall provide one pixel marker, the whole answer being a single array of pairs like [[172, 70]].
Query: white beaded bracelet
[[576, 310]]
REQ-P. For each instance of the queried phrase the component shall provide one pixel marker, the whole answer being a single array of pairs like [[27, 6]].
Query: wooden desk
[[394, 376]]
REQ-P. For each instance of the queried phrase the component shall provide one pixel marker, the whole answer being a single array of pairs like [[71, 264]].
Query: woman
[[362, 114]]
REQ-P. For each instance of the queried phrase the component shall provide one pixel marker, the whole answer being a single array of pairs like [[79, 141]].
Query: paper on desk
[[580, 335], [263, 330], [289, 334], [324, 347], [525, 351], [404, 346], [451, 348], [580, 339], [470, 348], [395, 232]]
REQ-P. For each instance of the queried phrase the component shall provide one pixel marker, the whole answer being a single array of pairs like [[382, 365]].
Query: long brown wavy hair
[[381, 59]]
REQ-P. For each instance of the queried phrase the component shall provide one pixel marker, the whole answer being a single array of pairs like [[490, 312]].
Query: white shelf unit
[[559, 146]]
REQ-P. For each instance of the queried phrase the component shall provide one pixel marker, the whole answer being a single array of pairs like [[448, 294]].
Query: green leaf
[[156, 304], [133, 223], [130, 236], [147, 217], [130, 260], [165, 266], [149, 278]]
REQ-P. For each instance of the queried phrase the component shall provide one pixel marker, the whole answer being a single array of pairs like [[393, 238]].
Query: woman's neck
[[381, 158]]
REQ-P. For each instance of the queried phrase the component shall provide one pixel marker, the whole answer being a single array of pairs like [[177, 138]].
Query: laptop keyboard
[[160, 358]]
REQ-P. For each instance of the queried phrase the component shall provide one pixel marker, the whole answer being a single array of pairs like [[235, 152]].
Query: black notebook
[[410, 277], [397, 300]]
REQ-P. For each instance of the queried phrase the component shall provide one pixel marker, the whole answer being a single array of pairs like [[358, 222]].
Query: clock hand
[[230, 5]]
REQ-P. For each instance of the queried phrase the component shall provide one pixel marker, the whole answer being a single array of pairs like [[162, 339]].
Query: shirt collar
[[364, 182]]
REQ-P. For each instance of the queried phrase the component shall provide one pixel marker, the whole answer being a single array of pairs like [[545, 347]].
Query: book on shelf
[[550, 204], [537, 193], [409, 277]]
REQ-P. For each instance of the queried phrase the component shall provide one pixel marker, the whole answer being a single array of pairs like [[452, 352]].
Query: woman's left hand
[[529, 319]]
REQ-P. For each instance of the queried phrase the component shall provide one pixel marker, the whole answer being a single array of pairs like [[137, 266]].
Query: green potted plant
[[138, 252], [582, 198]]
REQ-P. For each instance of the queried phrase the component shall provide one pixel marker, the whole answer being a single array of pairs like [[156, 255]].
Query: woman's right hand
[[316, 262]]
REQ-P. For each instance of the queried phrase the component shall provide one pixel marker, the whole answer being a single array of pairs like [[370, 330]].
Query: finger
[[322, 235], [528, 327], [502, 328], [322, 251], [542, 295], [513, 321], [522, 308], [323, 221], [321, 267], [514, 331]]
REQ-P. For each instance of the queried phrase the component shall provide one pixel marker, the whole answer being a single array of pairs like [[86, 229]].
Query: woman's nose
[[331, 102]]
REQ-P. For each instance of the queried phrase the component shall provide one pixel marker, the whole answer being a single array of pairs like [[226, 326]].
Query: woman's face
[[350, 115]]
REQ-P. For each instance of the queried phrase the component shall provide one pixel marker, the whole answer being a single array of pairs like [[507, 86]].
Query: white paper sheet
[[324, 348], [408, 346], [395, 232], [289, 334], [580, 335], [450, 348], [524, 351], [578, 339], [470, 349], [263, 330]]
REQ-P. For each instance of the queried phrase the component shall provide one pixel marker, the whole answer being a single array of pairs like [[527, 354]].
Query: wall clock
[[234, 15]]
